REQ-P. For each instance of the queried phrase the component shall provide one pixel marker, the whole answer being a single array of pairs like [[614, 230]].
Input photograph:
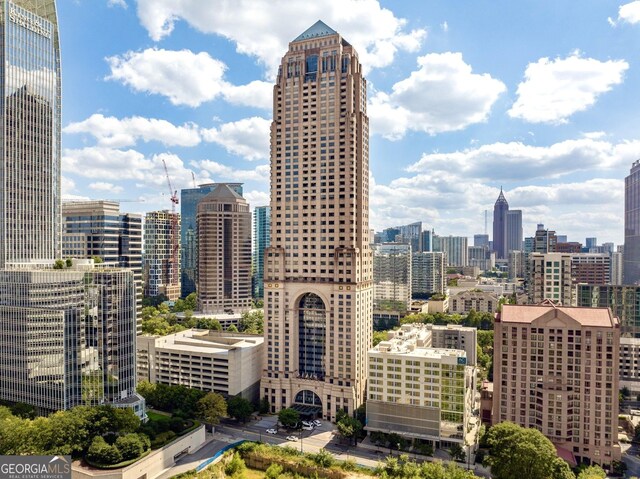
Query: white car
[[292, 438], [307, 423], [272, 431], [307, 428], [317, 423]]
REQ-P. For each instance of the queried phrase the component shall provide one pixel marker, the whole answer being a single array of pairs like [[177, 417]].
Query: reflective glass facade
[[632, 226], [261, 240], [189, 199], [30, 147]]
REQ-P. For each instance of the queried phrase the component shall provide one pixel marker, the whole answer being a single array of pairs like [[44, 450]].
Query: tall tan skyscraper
[[224, 252], [318, 270]]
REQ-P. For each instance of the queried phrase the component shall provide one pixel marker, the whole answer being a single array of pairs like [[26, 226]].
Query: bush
[[323, 458], [176, 424], [236, 466], [130, 446], [162, 438], [273, 471], [102, 453], [349, 465]]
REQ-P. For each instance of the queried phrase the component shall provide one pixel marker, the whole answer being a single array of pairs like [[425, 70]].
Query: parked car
[[292, 438], [317, 423], [272, 431], [307, 428], [307, 423]]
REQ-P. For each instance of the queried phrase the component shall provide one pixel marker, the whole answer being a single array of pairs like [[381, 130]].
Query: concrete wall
[[148, 467]]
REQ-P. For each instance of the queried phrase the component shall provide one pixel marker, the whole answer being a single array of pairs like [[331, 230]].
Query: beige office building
[[550, 278], [226, 363], [224, 252], [318, 269], [556, 370]]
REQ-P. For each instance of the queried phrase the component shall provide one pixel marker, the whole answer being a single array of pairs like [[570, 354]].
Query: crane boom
[[173, 193]]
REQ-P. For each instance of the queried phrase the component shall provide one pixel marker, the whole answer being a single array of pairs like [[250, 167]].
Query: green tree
[[288, 417], [349, 427], [457, 452], [252, 322], [58, 264], [209, 323], [97, 259], [379, 336], [519, 452], [239, 408], [232, 328], [102, 453], [130, 446], [592, 472], [264, 406], [323, 458], [211, 408], [68, 262]]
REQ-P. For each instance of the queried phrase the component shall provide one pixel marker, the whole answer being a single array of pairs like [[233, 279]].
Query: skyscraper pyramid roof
[[317, 30], [501, 198], [223, 193]]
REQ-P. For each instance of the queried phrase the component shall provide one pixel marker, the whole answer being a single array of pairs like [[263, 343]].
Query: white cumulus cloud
[[629, 13], [220, 172], [442, 95], [258, 27], [184, 77], [118, 133], [248, 137], [553, 90], [105, 186]]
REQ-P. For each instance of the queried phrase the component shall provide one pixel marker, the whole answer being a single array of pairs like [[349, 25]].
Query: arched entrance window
[[311, 336]]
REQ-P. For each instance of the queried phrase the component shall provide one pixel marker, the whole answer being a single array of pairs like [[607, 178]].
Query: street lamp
[[301, 430]]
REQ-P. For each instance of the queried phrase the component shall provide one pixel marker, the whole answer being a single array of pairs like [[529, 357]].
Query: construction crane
[[193, 177], [172, 265]]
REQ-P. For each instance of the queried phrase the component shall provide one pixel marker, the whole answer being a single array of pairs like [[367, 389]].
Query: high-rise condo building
[[261, 240], [391, 277], [454, 248], [556, 371], [427, 274], [189, 198], [545, 241], [514, 231], [550, 278], [631, 270], [481, 240], [624, 302], [500, 210], [224, 252], [67, 329], [161, 260], [318, 269], [97, 228]]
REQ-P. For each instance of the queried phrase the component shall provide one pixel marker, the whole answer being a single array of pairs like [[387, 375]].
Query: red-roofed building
[[556, 370]]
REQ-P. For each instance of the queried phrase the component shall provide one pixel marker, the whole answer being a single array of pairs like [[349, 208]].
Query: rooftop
[[593, 317], [317, 30], [205, 341]]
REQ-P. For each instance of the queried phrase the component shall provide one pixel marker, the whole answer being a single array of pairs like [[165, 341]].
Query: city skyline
[[562, 165]]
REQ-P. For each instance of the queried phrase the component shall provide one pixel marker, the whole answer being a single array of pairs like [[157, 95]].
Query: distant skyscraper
[[427, 241], [189, 198], [318, 271], [412, 235], [160, 273], [224, 252], [427, 273], [514, 230], [454, 247], [392, 276], [500, 210], [67, 329], [617, 264], [632, 225], [590, 243], [545, 240], [261, 240], [481, 240]]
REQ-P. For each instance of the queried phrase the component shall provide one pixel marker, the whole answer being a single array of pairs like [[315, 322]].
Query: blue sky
[[539, 97]]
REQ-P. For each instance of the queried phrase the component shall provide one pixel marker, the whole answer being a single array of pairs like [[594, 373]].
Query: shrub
[[236, 466], [323, 458], [176, 424], [162, 438], [102, 453], [130, 446], [273, 471]]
